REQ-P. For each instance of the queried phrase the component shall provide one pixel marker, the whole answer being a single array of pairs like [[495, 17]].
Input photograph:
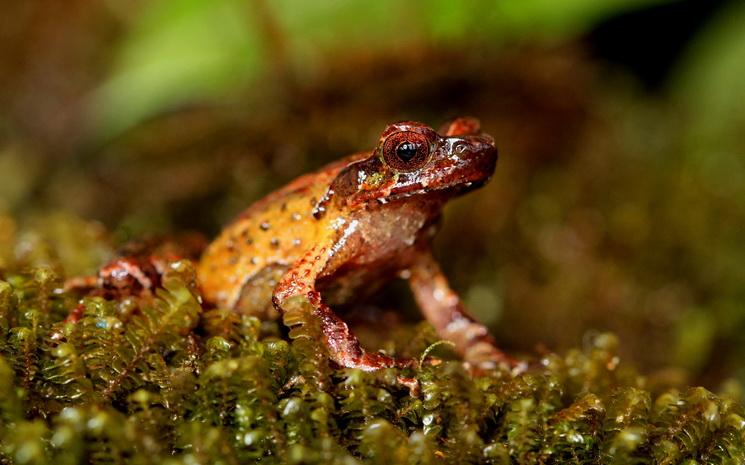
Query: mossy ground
[[161, 380]]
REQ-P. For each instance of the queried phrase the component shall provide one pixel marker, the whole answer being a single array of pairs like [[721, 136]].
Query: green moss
[[159, 380]]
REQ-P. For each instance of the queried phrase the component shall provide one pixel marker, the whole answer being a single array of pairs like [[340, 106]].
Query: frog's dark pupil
[[406, 151]]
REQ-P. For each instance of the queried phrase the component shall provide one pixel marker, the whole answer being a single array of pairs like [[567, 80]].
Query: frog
[[348, 228]]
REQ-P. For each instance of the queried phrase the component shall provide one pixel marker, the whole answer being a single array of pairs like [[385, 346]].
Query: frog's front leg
[[297, 286], [444, 310]]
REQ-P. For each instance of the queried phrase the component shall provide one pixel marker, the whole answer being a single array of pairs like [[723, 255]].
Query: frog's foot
[[372, 361], [345, 349], [443, 308], [484, 356]]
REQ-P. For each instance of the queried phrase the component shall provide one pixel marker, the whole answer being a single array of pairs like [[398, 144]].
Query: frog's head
[[414, 160], [419, 161]]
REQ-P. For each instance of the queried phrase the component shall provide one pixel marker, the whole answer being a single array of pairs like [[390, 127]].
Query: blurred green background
[[618, 203]]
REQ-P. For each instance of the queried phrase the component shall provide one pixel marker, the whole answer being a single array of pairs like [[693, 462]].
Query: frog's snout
[[466, 132], [482, 143], [469, 147], [475, 155]]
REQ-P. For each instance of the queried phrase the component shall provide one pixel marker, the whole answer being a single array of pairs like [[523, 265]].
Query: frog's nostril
[[460, 147], [472, 146]]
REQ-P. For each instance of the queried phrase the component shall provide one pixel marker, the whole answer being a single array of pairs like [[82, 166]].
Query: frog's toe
[[406, 362], [371, 361], [484, 357]]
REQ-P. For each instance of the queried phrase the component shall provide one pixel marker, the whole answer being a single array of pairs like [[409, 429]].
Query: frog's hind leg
[[444, 310], [256, 293], [296, 293]]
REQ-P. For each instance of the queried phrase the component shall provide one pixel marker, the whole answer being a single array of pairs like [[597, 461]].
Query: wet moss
[[160, 380]]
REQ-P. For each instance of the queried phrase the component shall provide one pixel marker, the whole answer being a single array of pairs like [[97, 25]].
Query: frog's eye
[[406, 150]]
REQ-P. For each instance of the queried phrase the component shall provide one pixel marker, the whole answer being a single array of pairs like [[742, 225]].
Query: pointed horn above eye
[[465, 126]]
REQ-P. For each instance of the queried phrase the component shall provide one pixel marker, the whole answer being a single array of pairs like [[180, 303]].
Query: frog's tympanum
[[346, 229]]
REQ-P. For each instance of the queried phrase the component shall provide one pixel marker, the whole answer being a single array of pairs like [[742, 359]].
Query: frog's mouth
[[452, 190]]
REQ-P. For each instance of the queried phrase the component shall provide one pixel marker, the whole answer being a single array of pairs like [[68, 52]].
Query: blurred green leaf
[[711, 88], [180, 50], [191, 50]]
